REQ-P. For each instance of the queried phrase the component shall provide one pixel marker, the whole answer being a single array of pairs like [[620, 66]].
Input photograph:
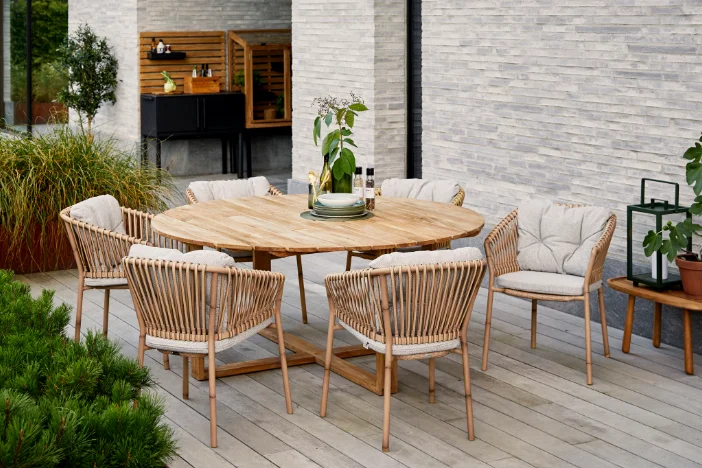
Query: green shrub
[[42, 175], [67, 404], [47, 81]]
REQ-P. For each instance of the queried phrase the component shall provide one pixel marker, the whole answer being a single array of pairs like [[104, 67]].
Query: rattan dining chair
[[406, 312], [247, 256], [98, 247], [501, 252], [457, 200], [195, 310]]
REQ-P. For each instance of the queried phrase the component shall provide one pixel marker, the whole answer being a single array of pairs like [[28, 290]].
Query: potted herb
[[337, 143], [689, 263]]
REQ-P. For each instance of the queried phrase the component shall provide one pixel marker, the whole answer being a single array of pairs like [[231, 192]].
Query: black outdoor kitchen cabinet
[[185, 116]]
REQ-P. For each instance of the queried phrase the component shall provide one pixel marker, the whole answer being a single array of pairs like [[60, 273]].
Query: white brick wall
[[572, 100], [341, 46]]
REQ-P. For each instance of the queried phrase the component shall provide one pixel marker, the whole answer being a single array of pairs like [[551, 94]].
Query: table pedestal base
[[307, 353]]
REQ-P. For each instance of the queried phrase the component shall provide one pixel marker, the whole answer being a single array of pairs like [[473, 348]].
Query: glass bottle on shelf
[[325, 182], [208, 70], [370, 189], [161, 47], [153, 45], [359, 184], [194, 71], [202, 70]]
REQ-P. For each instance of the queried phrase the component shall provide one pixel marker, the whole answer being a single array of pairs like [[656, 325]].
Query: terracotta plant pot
[[691, 274], [53, 253]]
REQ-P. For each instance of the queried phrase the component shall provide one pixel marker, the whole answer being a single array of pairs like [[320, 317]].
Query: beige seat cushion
[[224, 189], [441, 191], [402, 350], [556, 238], [426, 257], [102, 211], [544, 283], [105, 282], [200, 347]]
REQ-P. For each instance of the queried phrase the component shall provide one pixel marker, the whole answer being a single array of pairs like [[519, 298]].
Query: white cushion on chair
[[402, 350], [202, 257], [544, 283], [200, 347], [105, 282], [426, 257], [223, 189], [441, 191], [556, 238], [102, 211]]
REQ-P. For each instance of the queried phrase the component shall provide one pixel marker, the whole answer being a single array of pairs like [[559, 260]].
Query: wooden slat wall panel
[[200, 47]]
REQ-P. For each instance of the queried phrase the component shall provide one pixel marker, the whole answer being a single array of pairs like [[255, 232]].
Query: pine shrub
[[68, 404]]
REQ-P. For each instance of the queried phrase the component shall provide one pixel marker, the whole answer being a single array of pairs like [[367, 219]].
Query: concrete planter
[[691, 274], [49, 252]]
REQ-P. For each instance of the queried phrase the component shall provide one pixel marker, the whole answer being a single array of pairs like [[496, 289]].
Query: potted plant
[[689, 263], [337, 143]]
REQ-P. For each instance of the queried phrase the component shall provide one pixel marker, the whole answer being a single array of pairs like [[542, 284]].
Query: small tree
[[92, 75]]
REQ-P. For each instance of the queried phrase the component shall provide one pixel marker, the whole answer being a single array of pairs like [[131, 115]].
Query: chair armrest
[[190, 196], [501, 247], [598, 254], [459, 197], [355, 297], [138, 225], [274, 191]]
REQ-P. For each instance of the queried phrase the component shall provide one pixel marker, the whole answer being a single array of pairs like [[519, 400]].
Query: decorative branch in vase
[[675, 246], [340, 162]]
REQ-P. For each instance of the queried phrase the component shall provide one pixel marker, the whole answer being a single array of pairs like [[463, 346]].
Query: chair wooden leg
[[628, 324], [468, 394], [186, 381], [488, 324], [141, 350], [166, 362], [301, 281], [213, 398], [327, 365], [387, 392], [687, 340], [283, 363], [79, 306], [432, 375], [533, 323], [657, 317], [588, 342], [603, 319], [349, 257], [105, 312]]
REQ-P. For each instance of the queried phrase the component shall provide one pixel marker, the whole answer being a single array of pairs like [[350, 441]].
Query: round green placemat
[[308, 215]]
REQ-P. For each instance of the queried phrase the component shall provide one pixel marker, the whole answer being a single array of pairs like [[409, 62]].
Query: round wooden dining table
[[272, 226]]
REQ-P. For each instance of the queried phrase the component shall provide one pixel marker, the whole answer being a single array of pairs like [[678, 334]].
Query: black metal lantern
[[659, 209]]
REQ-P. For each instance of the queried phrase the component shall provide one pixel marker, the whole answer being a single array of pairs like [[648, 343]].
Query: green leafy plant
[[40, 176], [280, 105], [92, 75], [68, 404], [680, 233], [342, 114], [49, 30], [240, 79]]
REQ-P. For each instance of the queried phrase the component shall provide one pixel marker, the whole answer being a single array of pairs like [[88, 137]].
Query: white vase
[[654, 266]]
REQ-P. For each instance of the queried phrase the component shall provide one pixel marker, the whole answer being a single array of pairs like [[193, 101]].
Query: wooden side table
[[671, 297]]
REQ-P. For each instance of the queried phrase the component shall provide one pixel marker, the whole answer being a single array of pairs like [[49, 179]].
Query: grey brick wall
[[342, 46], [575, 101]]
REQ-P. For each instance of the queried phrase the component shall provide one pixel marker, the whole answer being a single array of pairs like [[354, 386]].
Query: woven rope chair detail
[[193, 310], [501, 252], [192, 199], [406, 312], [457, 200]]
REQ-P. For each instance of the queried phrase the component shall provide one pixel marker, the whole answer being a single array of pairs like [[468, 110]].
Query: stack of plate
[[356, 210]]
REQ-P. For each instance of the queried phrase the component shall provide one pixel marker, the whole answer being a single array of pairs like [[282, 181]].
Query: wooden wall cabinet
[[261, 58]]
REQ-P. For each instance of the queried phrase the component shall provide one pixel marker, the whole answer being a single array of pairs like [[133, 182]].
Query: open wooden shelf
[[266, 55]]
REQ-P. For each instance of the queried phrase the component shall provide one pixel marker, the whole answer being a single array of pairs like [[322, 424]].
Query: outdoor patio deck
[[532, 407]]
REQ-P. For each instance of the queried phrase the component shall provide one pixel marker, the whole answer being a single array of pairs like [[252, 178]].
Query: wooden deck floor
[[532, 407]]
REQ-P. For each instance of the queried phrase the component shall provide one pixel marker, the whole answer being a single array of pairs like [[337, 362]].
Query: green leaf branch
[[340, 114], [680, 233]]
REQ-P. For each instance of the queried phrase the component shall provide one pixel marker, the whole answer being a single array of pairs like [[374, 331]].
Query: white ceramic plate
[[338, 200]]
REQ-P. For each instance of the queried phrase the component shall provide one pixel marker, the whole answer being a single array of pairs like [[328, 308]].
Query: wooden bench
[[671, 297]]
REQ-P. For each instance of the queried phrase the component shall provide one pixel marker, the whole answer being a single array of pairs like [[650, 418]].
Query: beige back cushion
[[224, 189], [201, 257], [556, 238], [441, 191], [426, 257], [102, 211]]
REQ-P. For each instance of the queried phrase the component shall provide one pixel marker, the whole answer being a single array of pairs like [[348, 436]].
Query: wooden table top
[[274, 224], [672, 297]]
